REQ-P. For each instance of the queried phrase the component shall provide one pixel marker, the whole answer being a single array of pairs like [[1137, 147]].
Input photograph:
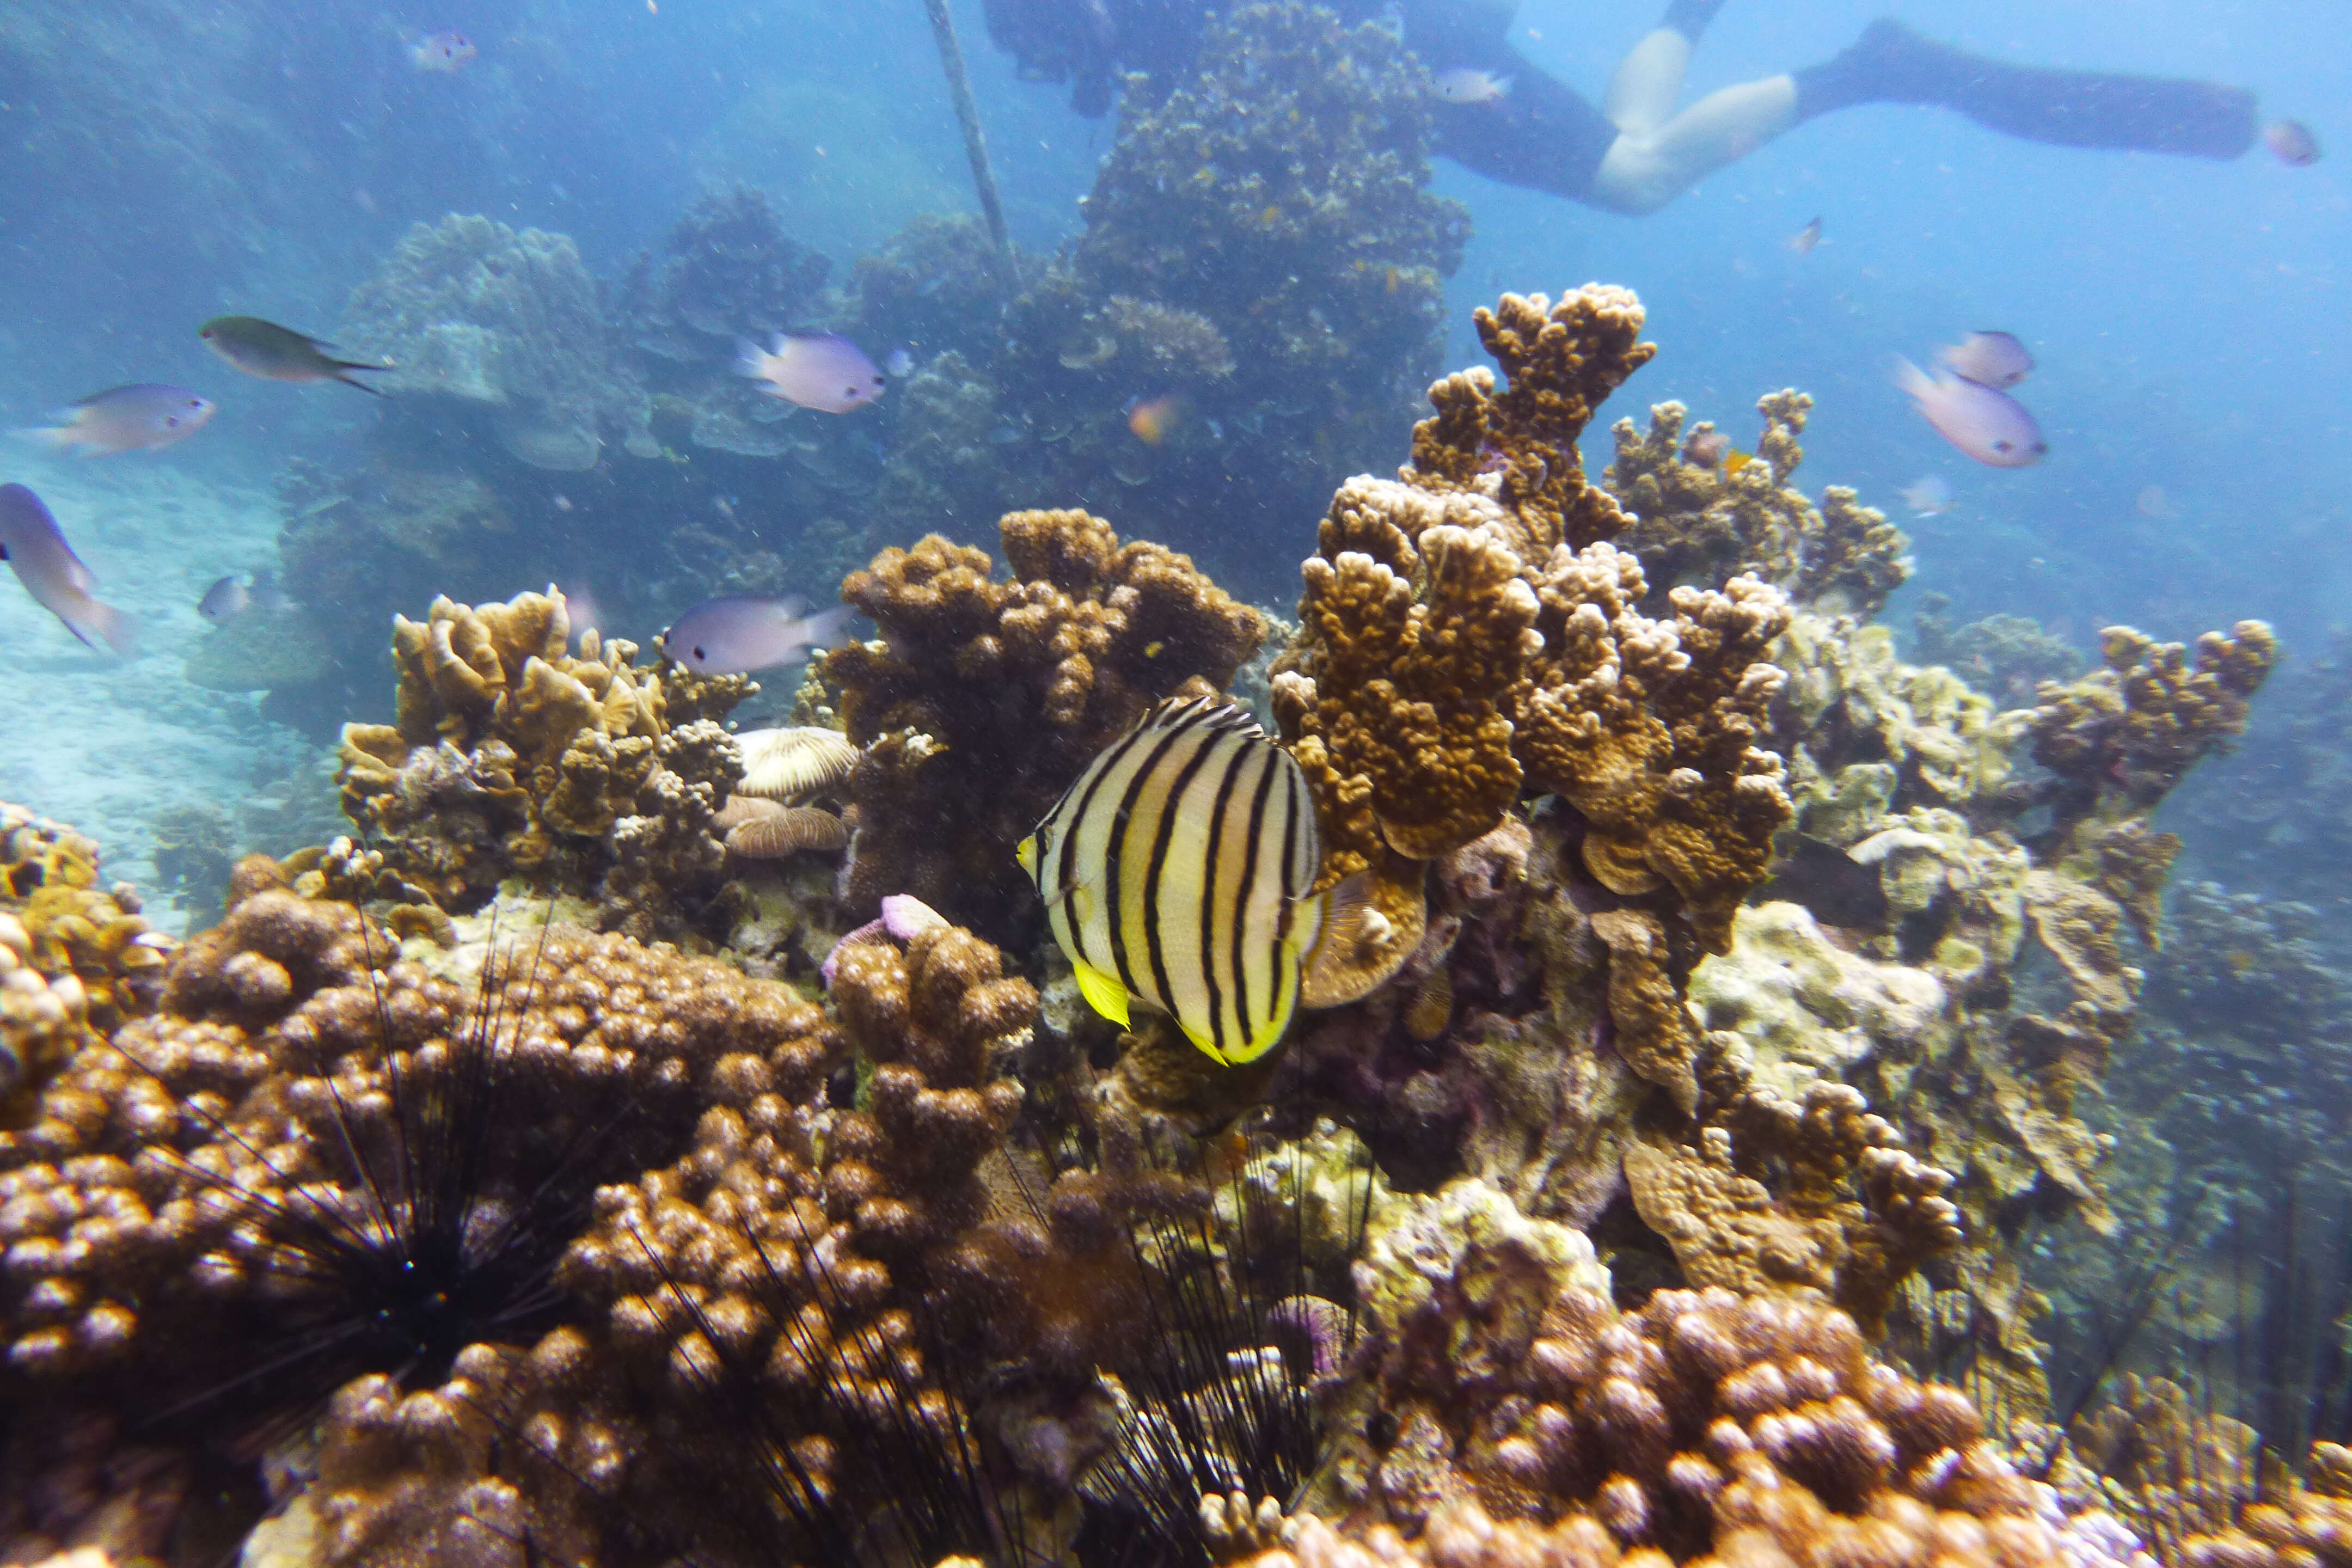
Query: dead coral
[[512, 756], [986, 698]]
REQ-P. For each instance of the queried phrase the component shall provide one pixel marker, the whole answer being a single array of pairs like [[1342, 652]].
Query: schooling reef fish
[[234, 593], [1989, 359], [141, 416], [53, 575], [280, 353], [1930, 497], [1991, 426], [823, 371], [738, 633], [1462, 85], [448, 51], [2292, 144], [1805, 239], [1175, 872]]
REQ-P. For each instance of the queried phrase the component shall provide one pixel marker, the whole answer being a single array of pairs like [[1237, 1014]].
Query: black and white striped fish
[[1175, 871]]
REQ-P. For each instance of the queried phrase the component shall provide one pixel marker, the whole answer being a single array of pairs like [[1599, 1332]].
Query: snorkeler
[[1635, 151]]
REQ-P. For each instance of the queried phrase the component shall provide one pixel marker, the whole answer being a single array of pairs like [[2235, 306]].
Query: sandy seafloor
[[109, 745]]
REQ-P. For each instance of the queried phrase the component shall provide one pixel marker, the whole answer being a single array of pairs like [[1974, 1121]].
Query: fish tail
[[750, 358], [118, 627], [829, 629], [56, 438], [1911, 379]]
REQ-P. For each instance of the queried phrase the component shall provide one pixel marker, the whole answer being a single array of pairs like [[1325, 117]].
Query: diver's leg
[[1538, 135], [1890, 64], [1643, 170], [1642, 91]]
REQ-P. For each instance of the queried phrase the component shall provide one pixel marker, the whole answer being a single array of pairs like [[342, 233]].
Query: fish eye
[[2003, 446], [699, 654]]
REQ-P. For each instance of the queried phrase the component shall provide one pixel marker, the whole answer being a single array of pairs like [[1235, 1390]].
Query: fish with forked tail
[[736, 633], [280, 353], [31, 542], [139, 418]]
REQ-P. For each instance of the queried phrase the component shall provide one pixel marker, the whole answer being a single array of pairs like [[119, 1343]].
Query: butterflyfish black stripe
[[1163, 833], [1288, 863], [1254, 852], [1114, 881], [1211, 908], [1100, 769]]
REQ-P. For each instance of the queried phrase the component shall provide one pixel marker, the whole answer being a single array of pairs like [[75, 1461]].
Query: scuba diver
[[1635, 153]]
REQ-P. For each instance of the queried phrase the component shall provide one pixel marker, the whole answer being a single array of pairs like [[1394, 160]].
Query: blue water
[[166, 161]]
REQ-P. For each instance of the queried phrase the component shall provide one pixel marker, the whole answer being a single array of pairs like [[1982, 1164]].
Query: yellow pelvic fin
[[1103, 993], [1207, 1049], [1026, 853]]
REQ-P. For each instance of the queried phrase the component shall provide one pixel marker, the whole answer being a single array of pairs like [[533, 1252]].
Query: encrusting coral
[[984, 698], [1514, 1401], [514, 757]]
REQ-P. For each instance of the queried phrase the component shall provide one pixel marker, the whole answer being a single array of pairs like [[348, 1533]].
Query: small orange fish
[[1154, 420], [1269, 218], [1736, 459], [1392, 280]]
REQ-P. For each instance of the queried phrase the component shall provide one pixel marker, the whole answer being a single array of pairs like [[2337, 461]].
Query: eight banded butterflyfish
[[1176, 871]]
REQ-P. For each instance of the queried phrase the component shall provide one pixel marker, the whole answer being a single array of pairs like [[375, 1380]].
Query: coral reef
[[474, 314], [984, 699], [1507, 1388], [512, 756], [1261, 248], [1703, 521], [1733, 1015]]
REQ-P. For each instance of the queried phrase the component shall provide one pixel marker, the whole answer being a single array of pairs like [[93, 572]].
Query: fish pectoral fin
[[1103, 993]]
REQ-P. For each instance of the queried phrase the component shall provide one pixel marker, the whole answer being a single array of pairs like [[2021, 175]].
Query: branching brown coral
[[1701, 518], [511, 757], [1703, 1423], [985, 699], [1562, 362], [2130, 732]]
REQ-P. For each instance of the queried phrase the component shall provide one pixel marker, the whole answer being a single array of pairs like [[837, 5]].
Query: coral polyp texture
[[985, 697], [512, 756]]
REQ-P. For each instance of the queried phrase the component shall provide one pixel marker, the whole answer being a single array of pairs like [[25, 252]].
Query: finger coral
[[984, 698], [513, 756], [1701, 522], [1704, 1425], [1469, 634]]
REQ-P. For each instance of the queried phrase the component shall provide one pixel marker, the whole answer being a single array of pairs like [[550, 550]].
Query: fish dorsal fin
[[1103, 994], [1208, 712]]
